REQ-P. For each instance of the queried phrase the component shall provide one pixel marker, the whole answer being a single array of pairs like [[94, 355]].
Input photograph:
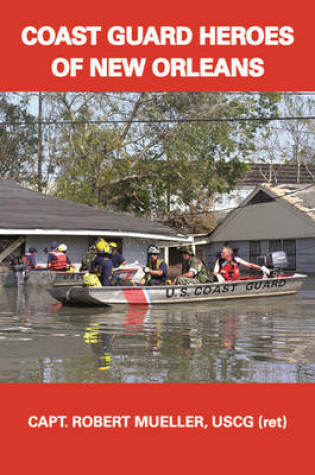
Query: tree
[[154, 158], [18, 142], [289, 142]]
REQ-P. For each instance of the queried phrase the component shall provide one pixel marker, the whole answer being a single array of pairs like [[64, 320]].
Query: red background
[[28, 67], [184, 451], [157, 450]]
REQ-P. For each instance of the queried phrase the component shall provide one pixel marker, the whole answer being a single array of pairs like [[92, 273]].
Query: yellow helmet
[[102, 247], [113, 244]]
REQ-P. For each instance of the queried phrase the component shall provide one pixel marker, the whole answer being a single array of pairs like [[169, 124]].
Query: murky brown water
[[254, 340]]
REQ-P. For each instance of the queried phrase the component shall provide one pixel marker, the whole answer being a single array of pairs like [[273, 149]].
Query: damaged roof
[[25, 209], [300, 196]]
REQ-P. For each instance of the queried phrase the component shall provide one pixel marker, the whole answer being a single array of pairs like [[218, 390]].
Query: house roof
[[27, 211], [277, 174], [258, 222], [300, 196]]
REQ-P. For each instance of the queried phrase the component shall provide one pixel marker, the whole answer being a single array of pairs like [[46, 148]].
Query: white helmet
[[153, 249], [62, 248]]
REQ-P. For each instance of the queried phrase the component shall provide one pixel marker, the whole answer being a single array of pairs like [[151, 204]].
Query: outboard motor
[[276, 262]]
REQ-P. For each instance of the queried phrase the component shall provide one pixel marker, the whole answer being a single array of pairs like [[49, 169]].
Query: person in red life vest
[[53, 250], [227, 266], [57, 260], [30, 258], [63, 248]]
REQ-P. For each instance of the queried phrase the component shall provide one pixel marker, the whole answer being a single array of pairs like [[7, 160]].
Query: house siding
[[305, 255], [265, 221], [136, 250], [133, 249]]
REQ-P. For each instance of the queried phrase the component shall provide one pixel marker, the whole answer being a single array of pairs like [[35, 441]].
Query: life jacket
[[91, 280], [156, 266], [60, 263], [26, 261], [229, 270]]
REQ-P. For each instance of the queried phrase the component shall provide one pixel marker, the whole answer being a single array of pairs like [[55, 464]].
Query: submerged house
[[271, 218], [29, 218]]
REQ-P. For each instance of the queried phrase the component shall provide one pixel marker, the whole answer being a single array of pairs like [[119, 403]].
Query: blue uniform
[[117, 259], [158, 265], [105, 265], [30, 260], [51, 257]]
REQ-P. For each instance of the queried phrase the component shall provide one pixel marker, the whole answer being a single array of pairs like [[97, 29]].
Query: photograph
[[154, 237]]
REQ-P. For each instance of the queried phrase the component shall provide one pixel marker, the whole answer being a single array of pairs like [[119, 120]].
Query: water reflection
[[255, 340]]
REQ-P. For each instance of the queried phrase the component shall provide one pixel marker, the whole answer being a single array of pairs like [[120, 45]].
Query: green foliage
[[18, 143], [152, 166], [152, 152]]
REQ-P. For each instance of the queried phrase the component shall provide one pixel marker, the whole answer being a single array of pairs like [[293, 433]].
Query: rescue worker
[[90, 255], [102, 263], [156, 270], [88, 258], [53, 250], [57, 260], [227, 266], [63, 248], [117, 258], [194, 271], [30, 259]]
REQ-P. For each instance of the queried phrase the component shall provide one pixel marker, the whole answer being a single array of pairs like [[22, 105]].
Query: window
[[275, 245], [289, 247], [254, 251]]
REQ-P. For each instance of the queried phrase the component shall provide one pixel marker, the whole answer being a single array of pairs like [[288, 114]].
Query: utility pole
[[40, 143], [298, 164]]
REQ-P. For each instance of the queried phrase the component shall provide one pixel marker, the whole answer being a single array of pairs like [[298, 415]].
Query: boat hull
[[79, 295], [48, 278]]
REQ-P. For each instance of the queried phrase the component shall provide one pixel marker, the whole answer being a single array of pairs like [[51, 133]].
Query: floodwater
[[250, 340]]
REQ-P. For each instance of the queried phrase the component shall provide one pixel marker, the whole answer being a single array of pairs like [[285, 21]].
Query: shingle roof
[[300, 196], [277, 174], [22, 208]]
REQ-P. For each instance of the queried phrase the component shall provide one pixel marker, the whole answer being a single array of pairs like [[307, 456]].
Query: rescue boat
[[71, 293]]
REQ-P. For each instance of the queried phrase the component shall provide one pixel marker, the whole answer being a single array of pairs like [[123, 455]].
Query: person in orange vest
[[53, 250], [57, 261], [227, 266], [63, 248]]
